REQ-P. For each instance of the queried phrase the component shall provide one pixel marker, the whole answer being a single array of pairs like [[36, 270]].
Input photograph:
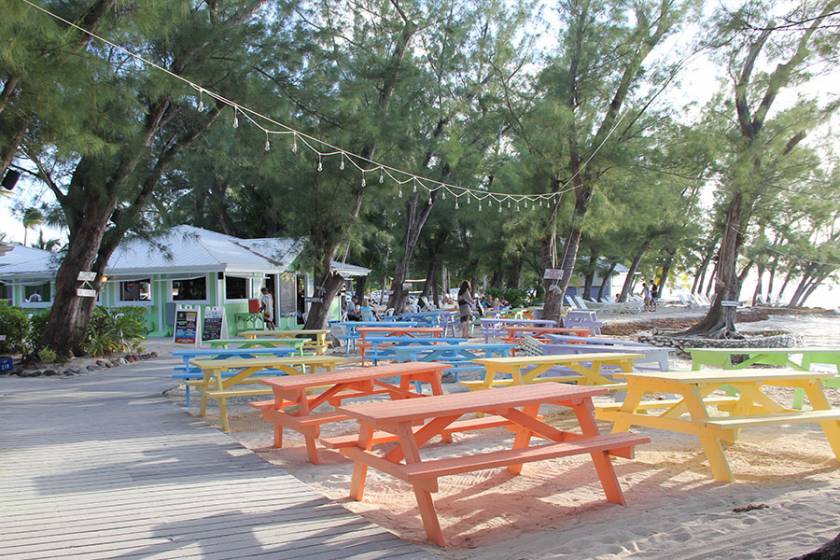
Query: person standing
[[267, 308], [654, 293], [646, 295], [465, 307]]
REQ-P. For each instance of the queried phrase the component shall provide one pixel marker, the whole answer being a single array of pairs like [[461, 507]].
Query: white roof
[[181, 249], [348, 270]]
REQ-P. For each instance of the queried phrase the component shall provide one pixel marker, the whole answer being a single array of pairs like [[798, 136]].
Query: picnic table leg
[[205, 384], [223, 415], [631, 402], [709, 439], [424, 497], [603, 466], [357, 483], [523, 437], [831, 428]]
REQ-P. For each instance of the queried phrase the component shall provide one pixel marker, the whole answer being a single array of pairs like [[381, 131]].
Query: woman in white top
[[267, 308]]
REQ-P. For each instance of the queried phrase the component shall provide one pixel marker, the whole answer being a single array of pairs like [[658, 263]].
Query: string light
[[381, 176], [364, 183], [253, 116], [320, 163], [443, 194], [267, 143], [456, 204]]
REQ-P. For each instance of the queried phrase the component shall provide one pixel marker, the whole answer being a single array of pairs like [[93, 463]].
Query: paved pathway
[[101, 466]]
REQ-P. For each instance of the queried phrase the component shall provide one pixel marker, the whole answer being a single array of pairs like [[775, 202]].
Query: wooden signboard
[[187, 324], [553, 274], [213, 324]]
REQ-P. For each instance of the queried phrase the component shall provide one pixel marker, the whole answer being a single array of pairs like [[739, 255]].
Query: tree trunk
[[758, 285], [430, 279], [712, 280], [436, 284], [360, 285], [670, 255], [719, 322], [514, 274], [589, 277], [496, 279], [416, 219], [787, 279], [631, 274], [605, 281]]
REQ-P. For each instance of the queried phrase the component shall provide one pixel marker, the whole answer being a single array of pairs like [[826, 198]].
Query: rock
[[153, 354], [101, 363], [92, 367], [68, 372], [122, 361], [29, 373], [49, 372]]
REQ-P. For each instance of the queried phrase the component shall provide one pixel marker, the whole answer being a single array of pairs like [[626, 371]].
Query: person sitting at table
[[465, 308], [353, 311], [367, 312]]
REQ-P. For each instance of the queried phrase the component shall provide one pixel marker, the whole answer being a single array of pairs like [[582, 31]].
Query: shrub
[[47, 355], [15, 325], [37, 324], [115, 330], [514, 296]]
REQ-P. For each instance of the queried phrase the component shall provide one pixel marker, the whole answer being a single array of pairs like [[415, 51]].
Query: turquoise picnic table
[[781, 357], [379, 347], [460, 356], [188, 372], [295, 343], [347, 330], [494, 327]]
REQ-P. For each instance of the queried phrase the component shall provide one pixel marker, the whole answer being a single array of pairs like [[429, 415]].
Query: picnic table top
[[255, 340], [535, 329], [558, 358], [415, 340], [354, 374], [518, 321], [456, 404], [594, 340], [280, 333], [232, 351], [607, 347], [438, 347], [374, 323], [397, 328], [764, 350], [725, 375], [265, 362]]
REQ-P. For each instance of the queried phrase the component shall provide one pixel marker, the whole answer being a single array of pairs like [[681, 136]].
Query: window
[[194, 289], [136, 290], [38, 294], [236, 288]]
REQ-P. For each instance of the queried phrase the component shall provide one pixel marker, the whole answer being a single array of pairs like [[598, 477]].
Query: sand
[[556, 508]]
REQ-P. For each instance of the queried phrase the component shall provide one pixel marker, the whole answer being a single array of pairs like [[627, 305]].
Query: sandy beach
[[784, 502]]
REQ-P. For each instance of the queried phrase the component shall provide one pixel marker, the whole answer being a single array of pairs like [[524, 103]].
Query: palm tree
[[32, 217]]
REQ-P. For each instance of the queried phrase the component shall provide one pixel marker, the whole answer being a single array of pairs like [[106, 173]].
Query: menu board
[[213, 323], [186, 325]]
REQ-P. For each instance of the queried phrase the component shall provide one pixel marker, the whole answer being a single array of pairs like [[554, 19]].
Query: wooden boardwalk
[[101, 466]]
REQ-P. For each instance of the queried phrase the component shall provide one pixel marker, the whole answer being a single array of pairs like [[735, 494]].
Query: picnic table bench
[[296, 343], [750, 408], [379, 347], [460, 356], [651, 354], [292, 393], [597, 340], [416, 422], [516, 332], [215, 385], [313, 338], [189, 373], [397, 332], [524, 370]]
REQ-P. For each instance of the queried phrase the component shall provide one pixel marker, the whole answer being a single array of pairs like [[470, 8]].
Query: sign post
[[86, 290]]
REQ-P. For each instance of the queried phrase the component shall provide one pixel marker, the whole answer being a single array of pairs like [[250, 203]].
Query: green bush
[[15, 325], [115, 330], [47, 356], [37, 324], [514, 296]]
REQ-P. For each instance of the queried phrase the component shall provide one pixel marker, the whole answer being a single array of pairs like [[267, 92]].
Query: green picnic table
[[782, 357], [296, 343]]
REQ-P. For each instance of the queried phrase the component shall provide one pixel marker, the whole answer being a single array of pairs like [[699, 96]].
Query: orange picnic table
[[435, 332], [413, 423], [514, 332], [296, 392]]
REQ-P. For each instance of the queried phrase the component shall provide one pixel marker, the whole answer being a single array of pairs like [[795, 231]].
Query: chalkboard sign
[[213, 323], [186, 325]]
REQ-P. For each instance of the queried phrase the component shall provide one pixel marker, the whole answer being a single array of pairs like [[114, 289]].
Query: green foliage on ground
[[15, 326], [119, 329]]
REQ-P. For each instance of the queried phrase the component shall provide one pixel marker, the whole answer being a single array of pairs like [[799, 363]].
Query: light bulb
[[267, 144], [320, 164], [342, 163], [364, 183], [381, 177], [456, 204]]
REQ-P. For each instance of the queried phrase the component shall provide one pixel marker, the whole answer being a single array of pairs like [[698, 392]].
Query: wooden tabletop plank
[[355, 374], [275, 334], [726, 375], [408, 329], [559, 359], [266, 362], [463, 403]]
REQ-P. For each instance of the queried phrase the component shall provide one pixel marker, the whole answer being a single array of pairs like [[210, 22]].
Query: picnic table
[[596, 340], [651, 354], [350, 329], [460, 356], [493, 327], [524, 370], [514, 332], [380, 346], [434, 317], [415, 423], [215, 385], [407, 330], [295, 343], [188, 373], [293, 407], [314, 338], [752, 407]]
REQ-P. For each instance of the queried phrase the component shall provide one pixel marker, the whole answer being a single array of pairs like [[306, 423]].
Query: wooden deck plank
[[101, 466]]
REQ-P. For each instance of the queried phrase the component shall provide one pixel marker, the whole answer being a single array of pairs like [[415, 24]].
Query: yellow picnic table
[[317, 337], [214, 385], [752, 407], [524, 370]]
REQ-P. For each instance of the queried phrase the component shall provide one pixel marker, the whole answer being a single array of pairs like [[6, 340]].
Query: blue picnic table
[[432, 318], [380, 346], [494, 327], [460, 356], [189, 372]]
